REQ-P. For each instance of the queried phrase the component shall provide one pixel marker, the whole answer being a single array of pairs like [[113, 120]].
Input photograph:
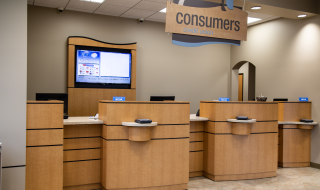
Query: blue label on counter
[[115, 98], [303, 99], [224, 99]]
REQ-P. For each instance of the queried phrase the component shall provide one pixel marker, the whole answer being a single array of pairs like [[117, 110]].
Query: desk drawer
[[44, 137], [81, 143]]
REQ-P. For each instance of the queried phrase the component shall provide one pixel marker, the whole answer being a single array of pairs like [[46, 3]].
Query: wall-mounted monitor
[[97, 67]]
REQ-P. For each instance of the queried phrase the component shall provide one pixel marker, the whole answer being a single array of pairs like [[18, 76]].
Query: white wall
[[13, 53], [286, 55]]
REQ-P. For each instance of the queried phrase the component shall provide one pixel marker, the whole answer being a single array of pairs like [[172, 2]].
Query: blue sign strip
[[116, 98], [224, 99], [303, 99]]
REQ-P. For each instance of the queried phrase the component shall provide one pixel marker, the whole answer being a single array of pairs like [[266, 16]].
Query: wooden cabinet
[[159, 163], [235, 157], [44, 153], [294, 140]]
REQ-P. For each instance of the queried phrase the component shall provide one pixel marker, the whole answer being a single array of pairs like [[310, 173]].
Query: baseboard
[[314, 165]]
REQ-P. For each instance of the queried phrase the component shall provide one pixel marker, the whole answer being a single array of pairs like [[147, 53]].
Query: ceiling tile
[[51, 3], [113, 10], [138, 13], [150, 5], [30, 2], [158, 16], [82, 6], [122, 3]]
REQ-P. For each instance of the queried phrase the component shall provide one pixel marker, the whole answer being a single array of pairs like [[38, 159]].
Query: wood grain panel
[[81, 143], [89, 42], [133, 69], [296, 146], [161, 112], [294, 111], [196, 161], [139, 133], [45, 115], [71, 65], [196, 146], [80, 173], [44, 137], [241, 128], [195, 174], [240, 87], [196, 126], [89, 154], [240, 177], [221, 111], [216, 31], [44, 168], [169, 187], [84, 101], [225, 127], [157, 132], [84, 187], [255, 153], [152, 163], [71, 131], [198, 136]]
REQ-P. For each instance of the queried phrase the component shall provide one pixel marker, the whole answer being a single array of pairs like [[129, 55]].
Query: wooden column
[[44, 154]]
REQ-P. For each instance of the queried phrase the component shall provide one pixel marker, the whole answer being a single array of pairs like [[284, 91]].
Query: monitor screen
[[102, 67], [280, 99], [54, 96], [162, 98]]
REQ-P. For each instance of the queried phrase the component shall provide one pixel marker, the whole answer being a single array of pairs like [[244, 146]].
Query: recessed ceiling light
[[251, 19], [301, 16], [256, 8], [94, 1], [163, 10]]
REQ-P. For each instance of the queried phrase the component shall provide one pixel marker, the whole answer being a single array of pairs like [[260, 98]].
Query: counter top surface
[[197, 118], [296, 123], [81, 121], [134, 124], [242, 121], [86, 120]]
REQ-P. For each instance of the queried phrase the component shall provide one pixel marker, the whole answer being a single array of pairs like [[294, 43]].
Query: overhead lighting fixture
[[256, 8], [301, 16], [251, 19], [94, 1], [163, 10]]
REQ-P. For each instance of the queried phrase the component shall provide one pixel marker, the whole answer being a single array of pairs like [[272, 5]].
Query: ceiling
[[134, 9]]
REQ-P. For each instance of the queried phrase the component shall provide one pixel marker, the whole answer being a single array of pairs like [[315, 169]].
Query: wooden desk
[[294, 136], [160, 163], [236, 157]]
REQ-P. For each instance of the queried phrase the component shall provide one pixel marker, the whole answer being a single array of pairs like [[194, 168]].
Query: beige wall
[[13, 53], [286, 55], [192, 74]]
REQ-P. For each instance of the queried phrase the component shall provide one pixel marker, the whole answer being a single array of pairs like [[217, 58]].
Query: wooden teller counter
[[115, 153]]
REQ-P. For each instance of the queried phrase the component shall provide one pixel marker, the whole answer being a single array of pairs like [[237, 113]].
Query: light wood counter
[[294, 136], [231, 153], [159, 163]]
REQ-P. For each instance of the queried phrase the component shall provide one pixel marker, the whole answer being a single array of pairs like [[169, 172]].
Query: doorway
[[243, 81]]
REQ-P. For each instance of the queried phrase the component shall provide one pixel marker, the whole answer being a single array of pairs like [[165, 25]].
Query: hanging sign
[[213, 22]]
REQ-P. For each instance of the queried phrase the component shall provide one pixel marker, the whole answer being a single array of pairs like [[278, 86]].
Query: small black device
[[65, 116], [242, 118], [306, 120], [162, 98], [198, 112], [143, 121], [280, 99]]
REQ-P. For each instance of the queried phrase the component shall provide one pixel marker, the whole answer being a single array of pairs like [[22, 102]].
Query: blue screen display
[[103, 67]]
